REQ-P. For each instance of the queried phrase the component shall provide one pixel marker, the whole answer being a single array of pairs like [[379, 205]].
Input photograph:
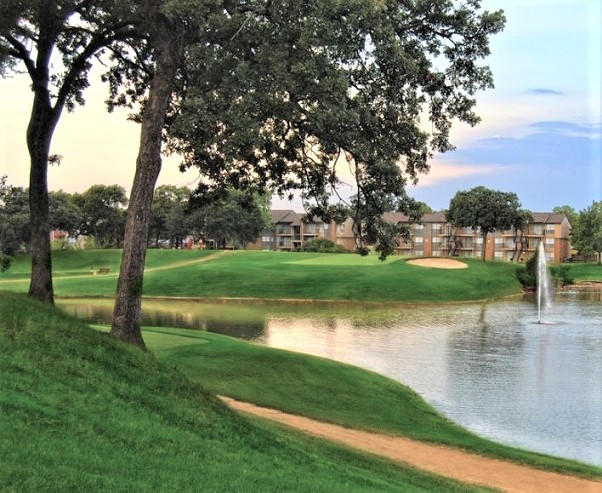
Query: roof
[[548, 217], [398, 217]]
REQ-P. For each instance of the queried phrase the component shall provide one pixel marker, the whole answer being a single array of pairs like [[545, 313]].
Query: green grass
[[328, 391], [278, 275], [583, 272], [80, 411]]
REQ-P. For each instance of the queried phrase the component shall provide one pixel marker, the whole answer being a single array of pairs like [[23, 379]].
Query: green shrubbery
[[322, 245], [527, 274]]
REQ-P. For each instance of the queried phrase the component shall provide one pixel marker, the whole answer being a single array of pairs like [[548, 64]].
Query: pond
[[490, 367]]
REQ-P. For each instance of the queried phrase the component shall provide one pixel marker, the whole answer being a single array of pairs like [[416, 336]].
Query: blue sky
[[540, 134]]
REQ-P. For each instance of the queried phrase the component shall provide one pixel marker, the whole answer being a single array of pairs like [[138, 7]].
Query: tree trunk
[[126, 314], [39, 135], [484, 248]]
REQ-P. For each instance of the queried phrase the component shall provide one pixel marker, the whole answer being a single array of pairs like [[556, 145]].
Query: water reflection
[[489, 367]]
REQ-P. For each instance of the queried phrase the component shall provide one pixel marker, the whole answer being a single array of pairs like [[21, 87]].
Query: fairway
[[276, 276]]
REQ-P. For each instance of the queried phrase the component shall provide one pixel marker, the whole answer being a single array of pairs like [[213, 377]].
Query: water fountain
[[544, 284]]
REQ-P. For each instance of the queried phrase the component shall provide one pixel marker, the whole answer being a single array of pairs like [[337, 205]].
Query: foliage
[[103, 213], [321, 245], [586, 237], [168, 219], [65, 214], [569, 212], [229, 217], [487, 211], [284, 94], [14, 220], [562, 274]]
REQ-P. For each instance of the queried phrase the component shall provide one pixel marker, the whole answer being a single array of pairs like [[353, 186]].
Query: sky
[[540, 135]]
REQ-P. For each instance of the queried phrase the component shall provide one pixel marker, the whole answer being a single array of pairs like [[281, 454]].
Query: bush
[[322, 245], [562, 275]]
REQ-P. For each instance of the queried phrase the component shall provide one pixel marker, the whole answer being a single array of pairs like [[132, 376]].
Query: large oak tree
[[485, 210]]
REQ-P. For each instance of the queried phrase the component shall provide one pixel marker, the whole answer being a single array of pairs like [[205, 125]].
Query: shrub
[[321, 245], [562, 275]]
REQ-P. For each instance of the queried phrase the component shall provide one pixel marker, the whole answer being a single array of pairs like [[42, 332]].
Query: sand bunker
[[438, 263]]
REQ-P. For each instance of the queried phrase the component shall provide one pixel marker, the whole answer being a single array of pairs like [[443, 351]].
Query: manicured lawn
[[279, 275], [80, 411], [583, 272]]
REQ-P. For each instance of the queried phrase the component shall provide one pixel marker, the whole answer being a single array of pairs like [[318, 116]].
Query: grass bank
[[81, 411], [277, 275]]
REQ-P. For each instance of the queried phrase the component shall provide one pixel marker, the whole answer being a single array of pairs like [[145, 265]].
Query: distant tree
[[65, 214], [571, 214], [14, 222], [519, 224], [230, 217], [424, 208], [168, 214], [55, 43], [486, 211], [103, 213], [587, 236]]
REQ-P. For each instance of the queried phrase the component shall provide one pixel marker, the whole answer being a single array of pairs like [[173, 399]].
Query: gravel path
[[445, 461]]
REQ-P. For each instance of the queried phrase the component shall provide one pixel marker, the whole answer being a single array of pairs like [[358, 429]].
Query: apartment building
[[290, 230], [432, 237]]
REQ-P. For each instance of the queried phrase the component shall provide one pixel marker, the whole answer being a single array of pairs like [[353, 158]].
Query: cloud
[[544, 92], [550, 144], [446, 171]]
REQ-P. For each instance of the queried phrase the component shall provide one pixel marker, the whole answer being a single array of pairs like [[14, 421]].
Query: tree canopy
[[486, 211], [586, 235], [307, 95]]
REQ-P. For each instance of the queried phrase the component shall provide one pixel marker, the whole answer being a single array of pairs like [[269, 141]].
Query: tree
[[569, 211], [587, 236], [64, 213], [486, 211], [273, 93], [102, 214], [14, 222], [55, 41], [168, 220], [233, 217]]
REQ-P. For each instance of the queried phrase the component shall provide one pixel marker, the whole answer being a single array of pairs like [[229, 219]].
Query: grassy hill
[[80, 411], [276, 275]]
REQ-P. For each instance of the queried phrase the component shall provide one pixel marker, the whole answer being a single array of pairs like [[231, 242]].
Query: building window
[[499, 241], [418, 227], [498, 254], [538, 229], [419, 240], [550, 241], [550, 228], [341, 228], [419, 253]]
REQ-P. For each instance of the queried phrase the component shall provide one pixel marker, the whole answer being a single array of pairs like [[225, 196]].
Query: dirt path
[[445, 461]]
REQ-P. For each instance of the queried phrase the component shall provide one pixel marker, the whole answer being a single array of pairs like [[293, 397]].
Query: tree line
[[233, 218]]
